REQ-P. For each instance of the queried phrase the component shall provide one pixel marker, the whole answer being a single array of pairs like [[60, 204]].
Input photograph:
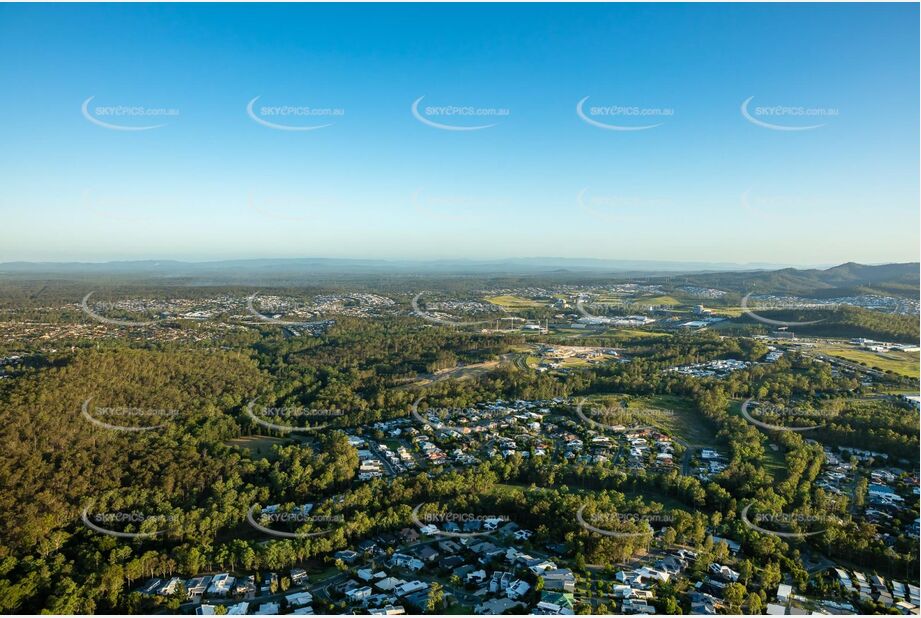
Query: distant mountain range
[[842, 280], [334, 265]]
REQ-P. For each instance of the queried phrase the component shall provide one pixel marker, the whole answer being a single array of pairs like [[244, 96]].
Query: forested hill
[[843, 280]]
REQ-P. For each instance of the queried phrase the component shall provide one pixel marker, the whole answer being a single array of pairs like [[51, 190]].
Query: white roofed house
[[523, 535], [476, 577], [844, 579], [734, 548], [369, 575], [773, 609], [497, 606], [268, 609], [388, 583], [633, 606], [559, 579], [500, 581], [406, 561], [387, 610], [538, 566], [653, 574], [358, 594], [723, 571], [546, 608], [517, 589], [298, 576], [221, 584], [410, 588], [299, 599], [429, 529], [169, 587], [197, 586]]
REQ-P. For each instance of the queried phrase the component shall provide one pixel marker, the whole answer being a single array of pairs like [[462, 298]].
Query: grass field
[[630, 335], [726, 312], [507, 489], [902, 363], [674, 415], [774, 462], [657, 300], [458, 610], [620, 335], [573, 363], [682, 418], [514, 302], [258, 446], [327, 573]]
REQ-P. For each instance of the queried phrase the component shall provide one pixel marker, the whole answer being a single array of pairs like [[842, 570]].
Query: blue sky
[[705, 184]]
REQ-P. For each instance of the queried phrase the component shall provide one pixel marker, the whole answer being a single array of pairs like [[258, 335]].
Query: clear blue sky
[[706, 184]]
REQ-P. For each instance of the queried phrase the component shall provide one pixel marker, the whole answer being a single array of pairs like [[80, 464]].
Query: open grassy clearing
[[515, 302], [674, 415], [726, 312], [459, 610], [258, 446], [774, 462], [902, 363], [610, 300], [510, 489], [630, 335], [657, 300]]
